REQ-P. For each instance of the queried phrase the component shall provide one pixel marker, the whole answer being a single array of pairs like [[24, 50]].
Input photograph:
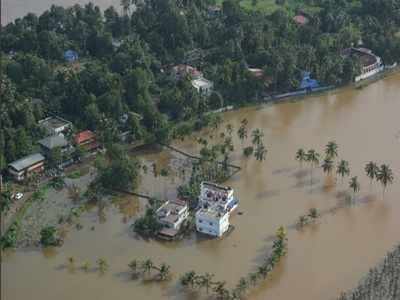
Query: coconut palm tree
[[164, 271], [242, 133], [313, 213], [301, 156], [146, 266], [281, 233], [385, 177], [86, 266], [71, 261], [241, 287], [229, 129], [331, 150], [220, 290], [102, 265], [206, 281], [216, 122], [133, 265], [343, 169], [228, 144], [263, 271], [313, 159], [260, 152], [189, 278], [327, 165], [372, 170], [253, 277], [354, 185], [257, 136]]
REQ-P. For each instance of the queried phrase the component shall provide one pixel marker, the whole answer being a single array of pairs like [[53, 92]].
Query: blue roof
[[307, 82], [70, 55]]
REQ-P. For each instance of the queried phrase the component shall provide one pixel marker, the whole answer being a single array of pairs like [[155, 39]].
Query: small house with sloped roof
[[26, 166], [87, 140]]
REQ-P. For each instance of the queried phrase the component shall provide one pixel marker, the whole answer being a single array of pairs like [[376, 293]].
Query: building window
[[200, 221], [211, 224]]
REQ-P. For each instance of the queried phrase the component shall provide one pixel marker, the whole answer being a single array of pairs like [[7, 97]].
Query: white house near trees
[[203, 86], [216, 203]]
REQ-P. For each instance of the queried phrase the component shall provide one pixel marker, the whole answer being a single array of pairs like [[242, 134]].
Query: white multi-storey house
[[216, 203], [212, 221], [212, 194], [171, 215]]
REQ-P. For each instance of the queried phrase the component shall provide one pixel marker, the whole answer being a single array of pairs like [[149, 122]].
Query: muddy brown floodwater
[[13, 9], [323, 259]]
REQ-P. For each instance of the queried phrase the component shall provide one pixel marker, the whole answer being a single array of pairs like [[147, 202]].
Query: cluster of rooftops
[[215, 204], [56, 128]]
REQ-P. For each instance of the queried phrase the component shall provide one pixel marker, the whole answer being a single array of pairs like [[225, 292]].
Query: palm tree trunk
[[311, 177]]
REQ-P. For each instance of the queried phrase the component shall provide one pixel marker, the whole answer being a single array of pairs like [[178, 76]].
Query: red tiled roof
[[84, 136], [300, 19], [183, 70]]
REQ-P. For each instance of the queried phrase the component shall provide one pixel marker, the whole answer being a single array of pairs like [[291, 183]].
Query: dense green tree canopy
[[125, 60]]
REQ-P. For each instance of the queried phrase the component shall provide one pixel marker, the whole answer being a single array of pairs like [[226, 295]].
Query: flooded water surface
[[323, 259], [12, 9]]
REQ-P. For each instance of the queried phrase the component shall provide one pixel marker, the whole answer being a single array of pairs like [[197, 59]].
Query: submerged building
[[212, 221], [171, 216], [371, 64], [212, 194], [216, 203]]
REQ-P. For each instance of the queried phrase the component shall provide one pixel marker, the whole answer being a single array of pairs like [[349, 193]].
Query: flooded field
[[13, 9], [323, 259]]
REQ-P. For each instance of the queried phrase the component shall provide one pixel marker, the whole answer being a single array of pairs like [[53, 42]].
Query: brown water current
[[323, 259], [13, 9]]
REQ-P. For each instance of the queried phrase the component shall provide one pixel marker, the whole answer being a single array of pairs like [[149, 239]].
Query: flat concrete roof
[[52, 142], [54, 122]]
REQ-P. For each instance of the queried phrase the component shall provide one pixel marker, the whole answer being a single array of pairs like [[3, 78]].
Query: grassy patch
[[78, 173]]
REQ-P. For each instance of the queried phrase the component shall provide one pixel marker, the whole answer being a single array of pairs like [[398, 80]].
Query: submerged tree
[[354, 185], [343, 169], [206, 281], [385, 177], [146, 266], [257, 137], [327, 166], [301, 156], [48, 236], [134, 266], [163, 271], [242, 131], [188, 279], [260, 152], [241, 288], [313, 160], [372, 170], [102, 265], [331, 150], [220, 290], [86, 266], [229, 129]]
